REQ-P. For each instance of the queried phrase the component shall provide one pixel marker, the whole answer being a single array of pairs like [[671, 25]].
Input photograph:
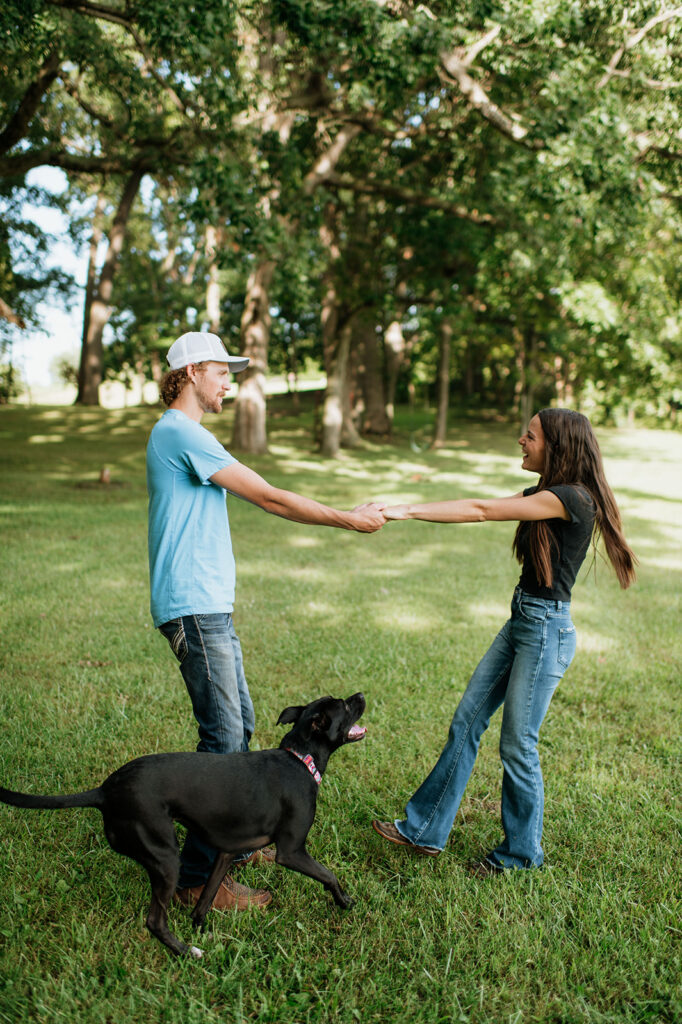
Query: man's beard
[[208, 403]]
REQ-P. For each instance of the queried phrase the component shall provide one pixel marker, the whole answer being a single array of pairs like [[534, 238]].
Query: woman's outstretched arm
[[541, 505]]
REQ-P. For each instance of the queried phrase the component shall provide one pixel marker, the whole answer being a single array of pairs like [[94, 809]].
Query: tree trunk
[[394, 347], [332, 409], [469, 371], [97, 315], [334, 430], [443, 384], [524, 389], [350, 437], [214, 237], [90, 285], [292, 372], [249, 433], [520, 362], [157, 368], [375, 419], [563, 382]]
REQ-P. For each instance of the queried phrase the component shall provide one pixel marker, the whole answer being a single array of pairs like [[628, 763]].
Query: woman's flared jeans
[[521, 670]]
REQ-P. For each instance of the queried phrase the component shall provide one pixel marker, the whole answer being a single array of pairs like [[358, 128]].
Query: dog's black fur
[[236, 802]]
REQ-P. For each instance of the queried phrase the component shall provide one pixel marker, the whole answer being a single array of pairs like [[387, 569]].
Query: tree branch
[[480, 44], [30, 101], [7, 313], [405, 195], [86, 107], [107, 14], [325, 164], [663, 151], [53, 156], [93, 11], [649, 83], [182, 105], [476, 96], [456, 64], [658, 19]]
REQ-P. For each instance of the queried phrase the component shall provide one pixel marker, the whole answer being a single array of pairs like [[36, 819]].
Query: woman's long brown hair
[[572, 456]]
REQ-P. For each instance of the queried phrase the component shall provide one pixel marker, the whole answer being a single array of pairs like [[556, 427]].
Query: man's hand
[[368, 518]]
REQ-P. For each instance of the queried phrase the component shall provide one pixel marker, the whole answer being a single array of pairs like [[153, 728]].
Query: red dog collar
[[307, 760]]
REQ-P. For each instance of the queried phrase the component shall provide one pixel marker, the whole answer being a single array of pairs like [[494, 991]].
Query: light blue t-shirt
[[191, 565]]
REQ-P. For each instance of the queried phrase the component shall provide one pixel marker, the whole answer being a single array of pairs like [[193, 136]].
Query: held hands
[[368, 518], [374, 514], [397, 512]]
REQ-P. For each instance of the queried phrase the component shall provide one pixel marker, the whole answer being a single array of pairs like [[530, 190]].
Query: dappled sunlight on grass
[[303, 541], [497, 610], [590, 642], [316, 609], [666, 561], [403, 615], [46, 439]]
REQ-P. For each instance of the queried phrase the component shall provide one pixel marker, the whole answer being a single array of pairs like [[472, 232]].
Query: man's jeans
[[210, 657], [521, 670]]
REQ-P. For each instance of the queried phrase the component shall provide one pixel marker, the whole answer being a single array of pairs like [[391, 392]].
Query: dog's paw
[[346, 901], [196, 952]]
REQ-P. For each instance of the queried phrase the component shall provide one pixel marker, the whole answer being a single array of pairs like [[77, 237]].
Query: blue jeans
[[210, 657], [521, 670]]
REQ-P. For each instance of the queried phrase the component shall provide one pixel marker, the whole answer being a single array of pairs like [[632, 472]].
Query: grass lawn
[[404, 616]]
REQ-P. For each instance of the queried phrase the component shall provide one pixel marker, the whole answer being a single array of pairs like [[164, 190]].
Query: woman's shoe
[[387, 830], [484, 869]]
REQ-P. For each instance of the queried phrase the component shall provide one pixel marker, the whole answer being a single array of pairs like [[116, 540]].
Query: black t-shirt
[[572, 538]]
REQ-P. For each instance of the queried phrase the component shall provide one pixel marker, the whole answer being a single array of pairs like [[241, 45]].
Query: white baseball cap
[[199, 347]]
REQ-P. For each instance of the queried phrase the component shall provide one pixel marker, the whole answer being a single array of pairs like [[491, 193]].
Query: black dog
[[236, 802]]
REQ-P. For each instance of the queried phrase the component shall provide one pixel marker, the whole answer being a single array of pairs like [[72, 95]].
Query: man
[[192, 569]]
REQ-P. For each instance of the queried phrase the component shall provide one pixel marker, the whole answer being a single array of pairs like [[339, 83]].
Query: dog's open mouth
[[355, 733]]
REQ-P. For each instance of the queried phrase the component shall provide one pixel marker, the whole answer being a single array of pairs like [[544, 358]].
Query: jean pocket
[[213, 622], [567, 645], [174, 633], [535, 610]]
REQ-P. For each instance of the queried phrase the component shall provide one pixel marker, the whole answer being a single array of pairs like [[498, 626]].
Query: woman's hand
[[397, 512]]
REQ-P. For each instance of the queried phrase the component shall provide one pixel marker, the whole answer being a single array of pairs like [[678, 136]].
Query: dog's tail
[[89, 798]]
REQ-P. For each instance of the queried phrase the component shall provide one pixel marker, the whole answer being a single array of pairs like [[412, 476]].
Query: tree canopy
[[304, 175]]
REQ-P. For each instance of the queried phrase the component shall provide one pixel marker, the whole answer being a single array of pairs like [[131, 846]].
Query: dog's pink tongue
[[356, 732]]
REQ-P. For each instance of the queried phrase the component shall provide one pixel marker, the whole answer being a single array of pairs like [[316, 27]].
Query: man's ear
[[290, 715]]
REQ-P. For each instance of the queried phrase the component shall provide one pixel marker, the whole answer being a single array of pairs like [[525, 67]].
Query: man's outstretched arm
[[245, 483]]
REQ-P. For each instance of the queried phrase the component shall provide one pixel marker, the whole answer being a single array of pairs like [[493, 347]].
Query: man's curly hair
[[172, 384]]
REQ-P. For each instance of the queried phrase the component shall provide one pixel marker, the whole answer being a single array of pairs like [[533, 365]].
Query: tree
[[485, 170]]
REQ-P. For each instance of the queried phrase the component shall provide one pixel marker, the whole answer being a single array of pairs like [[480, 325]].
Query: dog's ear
[[290, 715], [320, 722]]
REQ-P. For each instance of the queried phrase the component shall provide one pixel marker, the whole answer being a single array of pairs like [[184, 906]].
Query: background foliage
[[510, 168]]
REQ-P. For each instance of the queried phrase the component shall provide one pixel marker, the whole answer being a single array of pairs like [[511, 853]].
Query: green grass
[[403, 615]]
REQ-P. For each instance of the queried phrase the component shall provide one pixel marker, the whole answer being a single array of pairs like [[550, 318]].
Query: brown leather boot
[[266, 855], [230, 896]]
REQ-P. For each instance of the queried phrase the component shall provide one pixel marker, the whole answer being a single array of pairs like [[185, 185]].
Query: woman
[[571, 503]]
